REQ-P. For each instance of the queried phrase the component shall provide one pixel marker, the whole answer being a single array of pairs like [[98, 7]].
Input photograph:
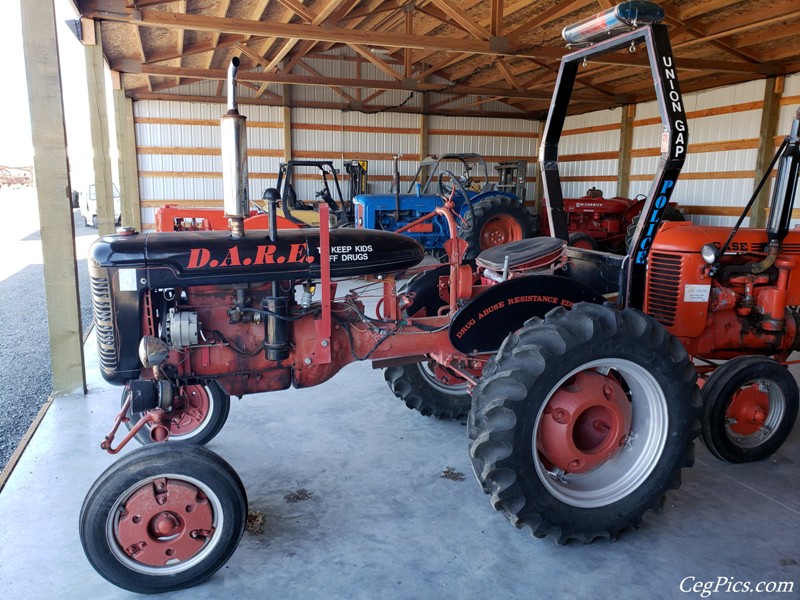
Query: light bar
[[622, 17]]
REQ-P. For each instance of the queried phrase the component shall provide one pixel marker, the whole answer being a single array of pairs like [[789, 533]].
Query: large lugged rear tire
[[163, 518], [749, 408], [426, 386], [430, 389], [582, 422], [497, 220]]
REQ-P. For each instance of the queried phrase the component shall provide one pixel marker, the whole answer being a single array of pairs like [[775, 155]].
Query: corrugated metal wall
[[723, 145], [178, 144], [589, 153]]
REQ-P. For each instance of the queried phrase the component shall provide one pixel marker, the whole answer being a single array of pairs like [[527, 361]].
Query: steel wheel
[[500, 229], [163, 518], [612, 440], [496, 220], [440, 379]]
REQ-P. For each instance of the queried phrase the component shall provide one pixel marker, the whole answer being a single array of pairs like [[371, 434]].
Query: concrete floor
[[381, 522]]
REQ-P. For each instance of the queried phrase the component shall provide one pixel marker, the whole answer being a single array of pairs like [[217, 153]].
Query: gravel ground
[[25, 377]]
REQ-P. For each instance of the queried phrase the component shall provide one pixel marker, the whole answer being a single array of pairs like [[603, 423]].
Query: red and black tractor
[[582, 365]]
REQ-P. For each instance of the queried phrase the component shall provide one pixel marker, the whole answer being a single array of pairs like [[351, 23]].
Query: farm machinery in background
[[595, 222], [292, 212], [487, 215], [579, 363]]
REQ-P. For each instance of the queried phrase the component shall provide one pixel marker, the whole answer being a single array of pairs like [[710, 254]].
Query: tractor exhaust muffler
[[234, 158]]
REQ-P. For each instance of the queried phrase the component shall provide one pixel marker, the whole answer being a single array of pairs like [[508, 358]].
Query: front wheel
[[749, 408], [163, 518], [582, 422], [494, 221], [198, 413]]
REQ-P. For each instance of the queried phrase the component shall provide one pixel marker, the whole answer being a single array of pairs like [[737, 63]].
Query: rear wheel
[[426, 386], [750, 405], [163, 518], [198, 413], [583, 421], [430, 389], [495, 221], [581, 239]]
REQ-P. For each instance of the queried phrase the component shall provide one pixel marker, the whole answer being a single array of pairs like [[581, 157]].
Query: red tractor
[[598, 223], [579, 363]]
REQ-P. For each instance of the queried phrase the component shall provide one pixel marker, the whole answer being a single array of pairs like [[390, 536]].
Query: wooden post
[[98, 123], [625, 147], [128, 168], [773, 90], [287, 133], [287, 123], [52, 189]]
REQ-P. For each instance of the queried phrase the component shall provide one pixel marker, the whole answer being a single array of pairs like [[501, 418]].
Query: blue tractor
[[490, 214]]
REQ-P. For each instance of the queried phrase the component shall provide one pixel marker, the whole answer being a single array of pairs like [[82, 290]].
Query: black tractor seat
[[529, 253]]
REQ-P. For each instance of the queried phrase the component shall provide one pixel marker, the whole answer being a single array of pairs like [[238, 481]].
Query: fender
[[483, 324]]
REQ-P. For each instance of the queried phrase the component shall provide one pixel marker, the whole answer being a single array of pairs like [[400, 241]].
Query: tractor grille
[[663, 286], [104, 323]]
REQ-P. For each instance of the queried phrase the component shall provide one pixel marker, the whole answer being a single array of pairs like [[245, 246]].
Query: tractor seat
[[530, 253]]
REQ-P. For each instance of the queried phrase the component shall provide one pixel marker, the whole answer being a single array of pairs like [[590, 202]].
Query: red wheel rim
[[748, 410], [165, 521], [585, 423], [190, 409], [500, 229]]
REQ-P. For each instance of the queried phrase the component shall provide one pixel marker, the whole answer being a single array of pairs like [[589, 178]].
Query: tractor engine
[[740, 307], [213, 307], [605, 219]]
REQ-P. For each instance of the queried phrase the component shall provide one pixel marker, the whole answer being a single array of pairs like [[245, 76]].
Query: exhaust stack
[[234, 158]]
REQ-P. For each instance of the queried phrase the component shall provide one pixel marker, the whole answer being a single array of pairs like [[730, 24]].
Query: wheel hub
[[500, 229], [190, 409], [164, 521], [748, 410], [585, 423]]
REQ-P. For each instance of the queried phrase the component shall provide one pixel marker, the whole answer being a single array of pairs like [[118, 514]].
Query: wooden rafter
[[493, 50], [376, 61]]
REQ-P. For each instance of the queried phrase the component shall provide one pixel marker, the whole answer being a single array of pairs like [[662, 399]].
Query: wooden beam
[[128, 167], [496, 26], [98, 125], [48, 132], [334, 34], [377, 62], [625, 147], [292, 79], [770, 114], [555, 12], [458, 15], [299, 9], [336, 89], [507, 74]]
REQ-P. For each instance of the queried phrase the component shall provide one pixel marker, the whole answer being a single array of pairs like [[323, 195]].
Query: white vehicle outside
[[88, 205]]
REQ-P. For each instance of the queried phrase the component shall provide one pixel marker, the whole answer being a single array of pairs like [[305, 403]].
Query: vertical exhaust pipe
[[234, 158]]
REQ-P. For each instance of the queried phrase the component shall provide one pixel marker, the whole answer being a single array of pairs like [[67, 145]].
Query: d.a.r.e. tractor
[[584, 393]]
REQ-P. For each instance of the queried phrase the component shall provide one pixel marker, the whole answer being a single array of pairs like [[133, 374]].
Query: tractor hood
[[200, 258]]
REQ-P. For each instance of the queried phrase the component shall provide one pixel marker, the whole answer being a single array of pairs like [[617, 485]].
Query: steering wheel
[[457, 187]]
